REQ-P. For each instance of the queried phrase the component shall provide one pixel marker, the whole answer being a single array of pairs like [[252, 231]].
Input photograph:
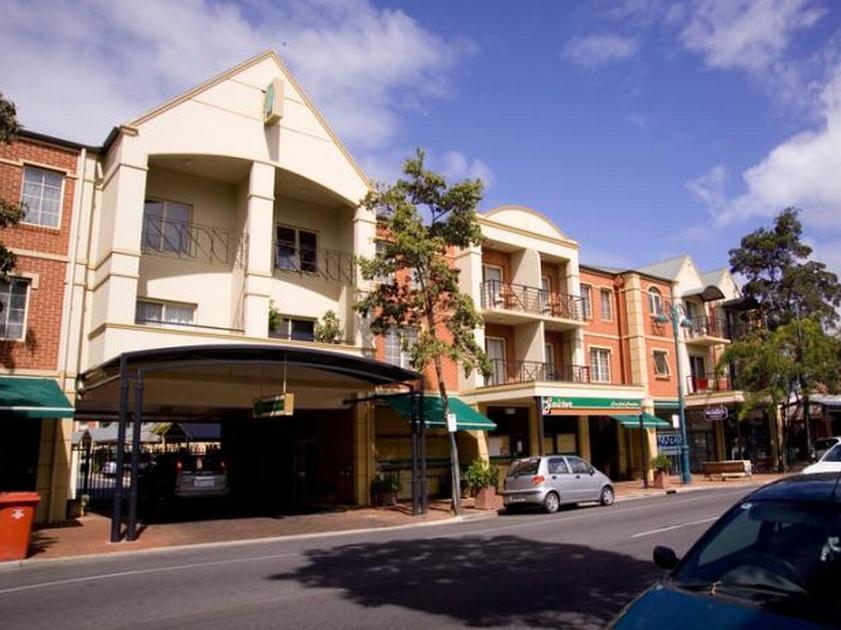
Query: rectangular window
[[549, 351], [587, 301], [394, 352], [661, 363], [600, 365], [606, 304], [41, 196], [298, 329], [386, 278], [166, 226], [149, 312], [492, 289], [297, 250], [495, 349], [13, 297]]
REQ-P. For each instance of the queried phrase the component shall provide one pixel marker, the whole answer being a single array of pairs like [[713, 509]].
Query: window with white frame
[[297, 329], [297, 249], [154, 312], [606, 298], [13, 297], [41, 196], [661, 363], [385, 278], [600, 365], [394, 352], [655, 302], [587, 301], [166, 226]]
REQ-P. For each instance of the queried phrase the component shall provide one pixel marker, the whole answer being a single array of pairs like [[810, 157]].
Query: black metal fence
[[503, 371], [518, 297]]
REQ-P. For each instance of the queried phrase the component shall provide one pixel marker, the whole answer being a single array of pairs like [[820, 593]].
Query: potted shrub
[[661, 465], [384, 489], [329, 329], [481, 476], [274, 320]]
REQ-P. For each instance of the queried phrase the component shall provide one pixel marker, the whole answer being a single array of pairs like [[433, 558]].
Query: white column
[[573, 285], [469, 264], [364, 244], [259, 223]]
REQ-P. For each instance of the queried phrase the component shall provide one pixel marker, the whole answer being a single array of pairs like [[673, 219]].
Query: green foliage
[[431, 304], [661, 463], [329, 329], [481, 474], [10, 211], [781, 278], [385, 483], [274, 316]]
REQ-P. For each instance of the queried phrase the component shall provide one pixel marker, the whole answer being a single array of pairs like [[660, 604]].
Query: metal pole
[[117, 508], [131, 530], [643, 458], [414, 422], [685, 475], [540, 428], [422, 453], [87, 482]]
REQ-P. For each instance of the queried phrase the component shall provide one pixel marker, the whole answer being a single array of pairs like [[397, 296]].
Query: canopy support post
[[131, 529], [643, 458], [117, 508], [416, 500], [422, 454]]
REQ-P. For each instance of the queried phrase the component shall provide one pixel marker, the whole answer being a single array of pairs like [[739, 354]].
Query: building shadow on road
[[505, 580]]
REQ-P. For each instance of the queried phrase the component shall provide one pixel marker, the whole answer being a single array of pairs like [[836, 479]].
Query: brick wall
[[498, 259]]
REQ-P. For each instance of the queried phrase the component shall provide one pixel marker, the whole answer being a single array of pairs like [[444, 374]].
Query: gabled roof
[[666, 269], [714, 277]]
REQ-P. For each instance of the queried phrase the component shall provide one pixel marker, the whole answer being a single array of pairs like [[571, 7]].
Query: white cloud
[[76, 69], [710, 189], [745, 34], [593, 51], [456, 166]]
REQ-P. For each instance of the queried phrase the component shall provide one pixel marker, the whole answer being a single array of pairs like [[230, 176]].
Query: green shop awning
[[648, 422], [467, 418], [33, 398]]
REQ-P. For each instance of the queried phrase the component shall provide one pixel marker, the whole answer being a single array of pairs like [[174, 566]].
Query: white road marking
[[668, 528], [107, 576]]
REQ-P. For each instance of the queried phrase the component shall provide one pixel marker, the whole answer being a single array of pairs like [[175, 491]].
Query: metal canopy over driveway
[[104, 390]]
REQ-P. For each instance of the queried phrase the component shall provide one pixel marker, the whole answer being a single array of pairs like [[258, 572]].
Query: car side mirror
[[591, 470], [665, 557]]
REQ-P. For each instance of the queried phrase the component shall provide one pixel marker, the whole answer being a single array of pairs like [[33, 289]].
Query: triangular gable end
[[224, 116]]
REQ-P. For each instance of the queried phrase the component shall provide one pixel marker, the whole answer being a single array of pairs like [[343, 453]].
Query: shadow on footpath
[[505, 580]]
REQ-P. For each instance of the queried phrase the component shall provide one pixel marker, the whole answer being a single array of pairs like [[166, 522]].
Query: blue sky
[[645, 128]]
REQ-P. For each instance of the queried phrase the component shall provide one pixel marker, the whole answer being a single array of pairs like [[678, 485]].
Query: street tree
[[781, 278], [775, 367], [423, 220], [10, 211]]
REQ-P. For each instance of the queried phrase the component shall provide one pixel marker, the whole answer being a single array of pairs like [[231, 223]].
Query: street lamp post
[[675, 311]]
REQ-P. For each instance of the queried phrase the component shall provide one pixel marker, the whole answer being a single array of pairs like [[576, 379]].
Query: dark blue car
[[772, 561]]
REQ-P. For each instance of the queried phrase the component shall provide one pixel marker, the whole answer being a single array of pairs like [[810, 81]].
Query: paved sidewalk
[[89, 535]]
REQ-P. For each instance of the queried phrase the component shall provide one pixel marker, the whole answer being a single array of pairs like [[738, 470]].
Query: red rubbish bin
[[17, 510]]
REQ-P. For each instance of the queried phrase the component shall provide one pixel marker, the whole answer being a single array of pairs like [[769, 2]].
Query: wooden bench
[[729, 469]]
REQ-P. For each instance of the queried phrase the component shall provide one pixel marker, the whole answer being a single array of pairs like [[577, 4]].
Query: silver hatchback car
[[553, 480]]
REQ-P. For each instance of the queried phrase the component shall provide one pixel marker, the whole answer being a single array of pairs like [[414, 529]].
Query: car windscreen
[[524, 467], [825, 443], [833, 454], [780, 555]]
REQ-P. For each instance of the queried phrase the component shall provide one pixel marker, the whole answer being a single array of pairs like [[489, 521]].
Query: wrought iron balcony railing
[[193, 241], [518, 297], [503, 372], [327, 264], [705, 326], [708, 383]]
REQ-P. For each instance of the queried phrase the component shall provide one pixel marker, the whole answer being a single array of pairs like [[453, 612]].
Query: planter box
[[661, 480], [385, 498], [486, 498]]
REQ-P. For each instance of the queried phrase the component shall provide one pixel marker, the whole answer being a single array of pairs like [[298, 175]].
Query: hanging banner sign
[[273, 406], [562, 403], [716, 413], [668, 442], [273, 103]]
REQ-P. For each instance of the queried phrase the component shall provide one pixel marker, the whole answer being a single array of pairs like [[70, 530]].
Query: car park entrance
[[270, 456]]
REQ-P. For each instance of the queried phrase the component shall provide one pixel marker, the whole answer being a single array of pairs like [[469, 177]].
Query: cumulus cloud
[[745, 34], [594, 51], [76, 69], [457, 166]]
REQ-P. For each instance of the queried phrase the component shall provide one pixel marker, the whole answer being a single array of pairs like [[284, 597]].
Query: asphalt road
[[573, 569]]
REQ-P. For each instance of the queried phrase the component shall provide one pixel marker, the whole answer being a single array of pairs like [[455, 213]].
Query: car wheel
[[552, 503], [607, 496]]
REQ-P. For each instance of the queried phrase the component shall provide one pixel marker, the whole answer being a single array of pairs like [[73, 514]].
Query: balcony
[[708, 384], [193, 241], [323, 264], [507, 372], [515, 303], [706, 331]]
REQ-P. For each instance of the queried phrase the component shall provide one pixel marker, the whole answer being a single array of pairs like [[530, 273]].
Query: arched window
[[655, 301]]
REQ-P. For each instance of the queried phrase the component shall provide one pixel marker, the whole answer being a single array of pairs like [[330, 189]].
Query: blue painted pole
[[685, 474]]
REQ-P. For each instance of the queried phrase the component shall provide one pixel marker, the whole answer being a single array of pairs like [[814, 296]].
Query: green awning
[[648, 422], [467, 418], [33, 398]]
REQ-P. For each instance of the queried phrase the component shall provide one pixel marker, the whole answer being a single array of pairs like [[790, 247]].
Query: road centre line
[[668, 528], [177, 567]]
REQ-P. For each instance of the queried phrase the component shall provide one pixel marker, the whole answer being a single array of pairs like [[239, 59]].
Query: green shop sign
[[551, 403]]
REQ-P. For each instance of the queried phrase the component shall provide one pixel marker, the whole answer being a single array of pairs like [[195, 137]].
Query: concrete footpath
[[89, 535]]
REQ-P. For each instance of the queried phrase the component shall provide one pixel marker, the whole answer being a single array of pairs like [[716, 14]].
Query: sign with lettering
[[562, 403], [668, 442], [273, 406], [718, 412]]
